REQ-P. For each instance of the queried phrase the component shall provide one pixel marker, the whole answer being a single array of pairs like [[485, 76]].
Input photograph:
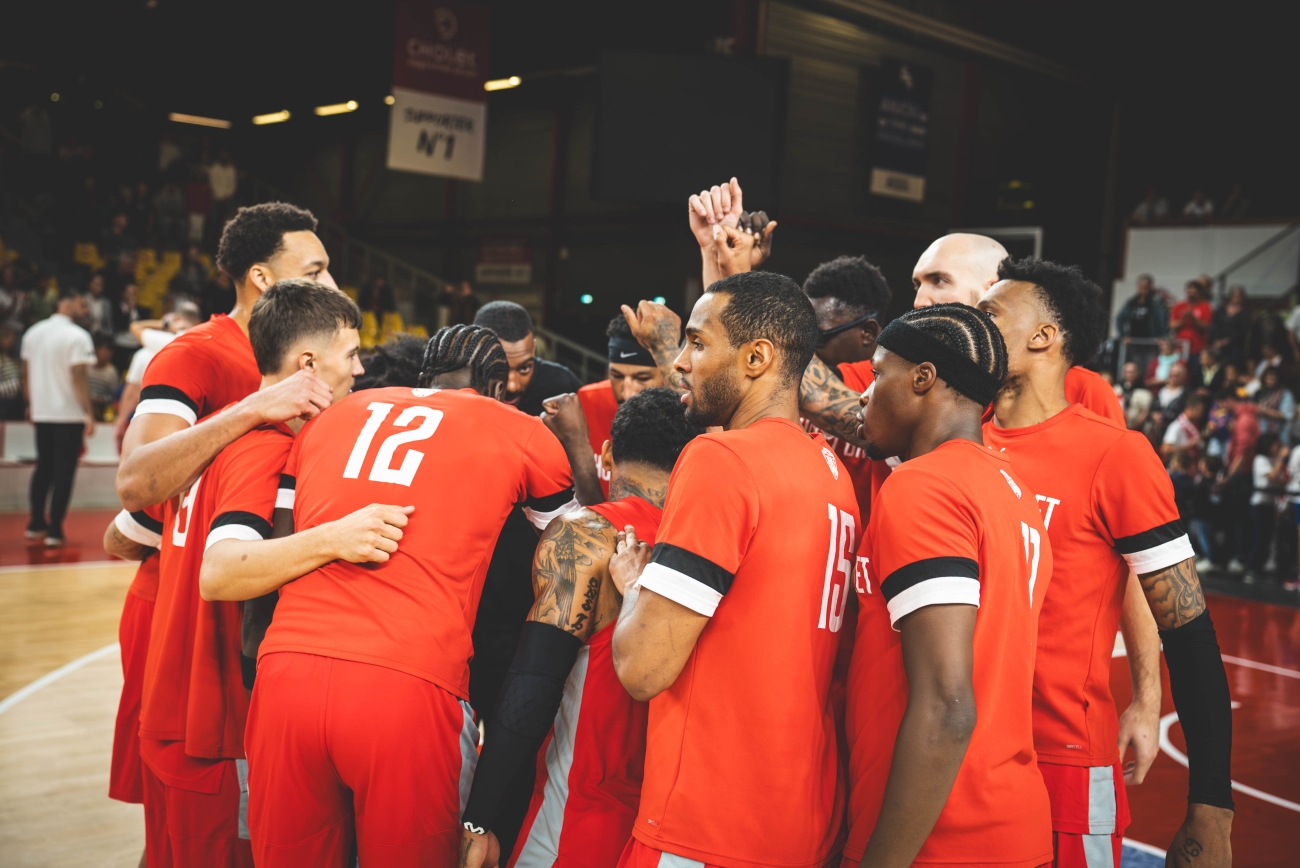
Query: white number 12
[[383, 471]]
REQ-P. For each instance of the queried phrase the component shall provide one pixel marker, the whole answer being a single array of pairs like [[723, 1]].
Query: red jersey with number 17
[[463, 461], [955, 526], [599, 406], [758, 534]]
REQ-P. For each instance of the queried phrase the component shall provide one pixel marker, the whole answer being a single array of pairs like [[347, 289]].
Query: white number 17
[[382, 470], [1032, 541]]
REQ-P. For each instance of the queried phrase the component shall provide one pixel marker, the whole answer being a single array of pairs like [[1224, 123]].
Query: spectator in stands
[[1183, 436], [126, 311], [1180, 466], [377, 297], [1212, 373], [169, 214], [1270, 356], [1207, 512], [1292, 582], [1190, 318], [224, 180], [1199, 207], [11, 376], [1236, 205], [532, 380], [1267, 471], [13, 298], [101, 307], [1230, 327], [1168, 354], [1145, 317], [1275, 405], [117, 241], [190, 280], [103, 377], [1169, 401], [1135, 400], [1238, 485], [462, 303], [1151, 209], [57, 352], [152, 335], [198, 204]]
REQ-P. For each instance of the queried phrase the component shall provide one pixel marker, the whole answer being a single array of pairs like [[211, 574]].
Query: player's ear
[[260, 276], [607, 457], [496, 389], [870, 331], [759, 357], [1044, 336], [307, 361], [924, 376]]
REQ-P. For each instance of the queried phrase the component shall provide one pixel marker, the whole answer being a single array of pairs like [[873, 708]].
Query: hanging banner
[[438, 124], [902, 131]]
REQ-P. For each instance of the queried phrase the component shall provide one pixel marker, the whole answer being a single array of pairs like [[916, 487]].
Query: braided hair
[[968, 330], [458, 347]]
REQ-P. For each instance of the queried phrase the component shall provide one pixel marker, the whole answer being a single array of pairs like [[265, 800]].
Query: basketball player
[[358, 732], [195, 704], [631, 369], [940, 727], [589, 775], [1108, 506], [211, 366], [731, 628]]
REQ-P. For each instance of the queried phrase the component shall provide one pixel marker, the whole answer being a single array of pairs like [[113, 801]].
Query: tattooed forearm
[[1174, 594], [119, 546], [825, 401], [567, 571]]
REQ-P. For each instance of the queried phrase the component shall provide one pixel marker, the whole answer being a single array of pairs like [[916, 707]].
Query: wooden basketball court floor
[[60, 675]]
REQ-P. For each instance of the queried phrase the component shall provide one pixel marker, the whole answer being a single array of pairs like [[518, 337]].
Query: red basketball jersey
[[463, 461], [599, 406], [1109, 508], [955, 526], [741, 763], [193, 689], [200, 372], [589, 771], [867, 475]]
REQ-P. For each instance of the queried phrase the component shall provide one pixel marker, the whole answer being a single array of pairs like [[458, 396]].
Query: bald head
[[957, 268]]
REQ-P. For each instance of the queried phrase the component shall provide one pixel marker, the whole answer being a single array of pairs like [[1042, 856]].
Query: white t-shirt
[[154, 340], [50, 349], [1260, 470], [1293, 475], [1181, 433]]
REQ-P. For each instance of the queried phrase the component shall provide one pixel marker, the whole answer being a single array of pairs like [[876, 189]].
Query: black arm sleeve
[[1200, 689], [530, 698]]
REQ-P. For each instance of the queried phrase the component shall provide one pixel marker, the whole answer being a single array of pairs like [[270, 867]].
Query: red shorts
[[1089, 814], [350, 755], [638, 855], [192, 828], [124, 779]]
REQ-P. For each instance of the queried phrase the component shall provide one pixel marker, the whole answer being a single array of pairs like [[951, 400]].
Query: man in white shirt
[[56, 354], [151, 339]]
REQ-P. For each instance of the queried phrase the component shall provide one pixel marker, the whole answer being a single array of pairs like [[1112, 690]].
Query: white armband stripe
[[541, 519], [940, 591], [1159, 557], [136, 532], [284, 498], [232, 531], [166, 407], [680, 588]]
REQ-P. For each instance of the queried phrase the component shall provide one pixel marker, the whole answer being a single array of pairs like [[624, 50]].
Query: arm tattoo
[[567, 572], [1174, 594], [825, 401], [127, 549], [1189, 849]]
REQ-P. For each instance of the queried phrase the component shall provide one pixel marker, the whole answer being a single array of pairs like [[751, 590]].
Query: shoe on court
[[1291, 585], [1236, 566], [54, 542], [1204, 565], [35, 534]]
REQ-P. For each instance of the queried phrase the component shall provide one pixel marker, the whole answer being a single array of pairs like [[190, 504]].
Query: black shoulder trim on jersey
[[147, 521], [931, 568], [688, 563], [288, 482], [1149, 539], [247, 519], [550, 502], [168, 393]]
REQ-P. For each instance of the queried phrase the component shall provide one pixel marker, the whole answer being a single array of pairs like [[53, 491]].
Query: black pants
[[1264, 519], [58, 446]]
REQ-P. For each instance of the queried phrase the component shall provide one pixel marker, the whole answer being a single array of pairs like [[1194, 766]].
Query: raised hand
[[720, 205], [303, 395], [563, 415], [630, 558], [659, 330], [761, 227], [371, 534]]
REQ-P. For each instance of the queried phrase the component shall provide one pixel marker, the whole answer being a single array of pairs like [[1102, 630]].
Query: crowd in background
[[1213, 387]]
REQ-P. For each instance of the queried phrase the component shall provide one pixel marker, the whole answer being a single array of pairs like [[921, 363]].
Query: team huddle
[[808, 589]]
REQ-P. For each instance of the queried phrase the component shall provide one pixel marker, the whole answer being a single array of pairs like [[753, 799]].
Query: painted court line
[[75, 565], [50, 677], [1144, 848], [1181, 758], [1262, 667]]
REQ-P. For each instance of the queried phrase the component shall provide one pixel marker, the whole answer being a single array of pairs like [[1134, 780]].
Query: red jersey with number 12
[[463, 461]]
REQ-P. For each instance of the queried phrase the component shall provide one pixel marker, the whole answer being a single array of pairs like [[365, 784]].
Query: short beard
[[874, 452], [713, 401], [1011, 388]]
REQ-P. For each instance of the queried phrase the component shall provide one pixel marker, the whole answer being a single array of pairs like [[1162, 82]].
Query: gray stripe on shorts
[[241, 769], [672, 860], [1101, 801], [1098, 851], [468, 751]]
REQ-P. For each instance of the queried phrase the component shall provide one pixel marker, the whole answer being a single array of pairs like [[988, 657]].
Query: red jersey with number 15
[[463, 461], [955, 526]]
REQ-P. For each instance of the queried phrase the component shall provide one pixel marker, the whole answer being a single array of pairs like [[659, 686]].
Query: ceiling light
[[272, 118], [338, 108], [54, 97], [198, 120], [390, 99], [502, 83], [586, 298]]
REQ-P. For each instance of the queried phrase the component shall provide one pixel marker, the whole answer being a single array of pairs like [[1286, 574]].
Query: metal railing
[[418, 292], [1221, 279]]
